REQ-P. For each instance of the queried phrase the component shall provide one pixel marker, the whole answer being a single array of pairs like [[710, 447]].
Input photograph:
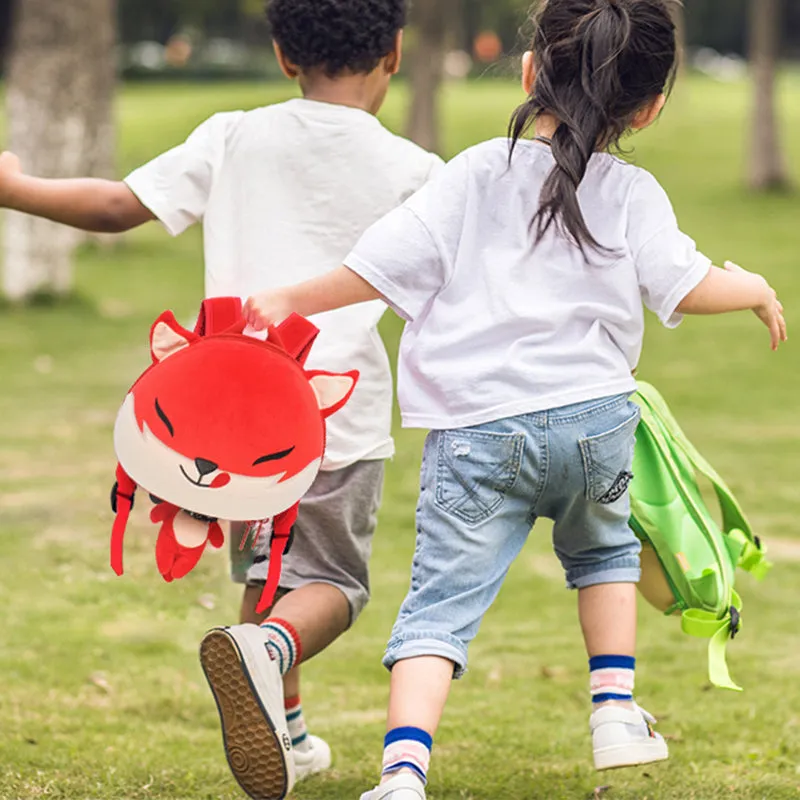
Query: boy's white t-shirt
[[499, 326], [284, 192]]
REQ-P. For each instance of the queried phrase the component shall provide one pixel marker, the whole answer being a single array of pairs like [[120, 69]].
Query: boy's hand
[[10, 168], [769, 310], [268, 308]]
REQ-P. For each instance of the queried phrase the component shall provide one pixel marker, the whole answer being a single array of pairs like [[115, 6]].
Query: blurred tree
[[158, 20], [60, 88], [679, 15], [430, 19], [509, 19], [767, 167], [720, 24], [252, 8]]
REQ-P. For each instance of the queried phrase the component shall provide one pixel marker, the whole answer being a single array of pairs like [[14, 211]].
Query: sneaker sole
[[628, 756], [252, 746]]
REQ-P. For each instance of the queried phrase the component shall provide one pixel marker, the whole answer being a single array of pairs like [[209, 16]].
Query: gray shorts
[[332, 537]]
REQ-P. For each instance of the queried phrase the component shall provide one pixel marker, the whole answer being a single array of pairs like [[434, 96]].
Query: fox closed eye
[[165, 419], [273, 457]]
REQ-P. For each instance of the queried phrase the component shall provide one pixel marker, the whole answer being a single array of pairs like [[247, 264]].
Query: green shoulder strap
[[682, 462], [705, 625], [751, 552]]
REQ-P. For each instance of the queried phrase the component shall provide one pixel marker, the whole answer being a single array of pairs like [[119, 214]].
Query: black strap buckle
[[115, 493], [736, 621]]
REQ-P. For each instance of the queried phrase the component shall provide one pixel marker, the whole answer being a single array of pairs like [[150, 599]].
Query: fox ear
[[332, 390], [167, 337]]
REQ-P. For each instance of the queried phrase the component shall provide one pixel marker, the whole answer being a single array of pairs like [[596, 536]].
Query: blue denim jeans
[[482, 490]]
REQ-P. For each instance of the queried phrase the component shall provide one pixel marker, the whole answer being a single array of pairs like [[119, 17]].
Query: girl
[[522, 279]]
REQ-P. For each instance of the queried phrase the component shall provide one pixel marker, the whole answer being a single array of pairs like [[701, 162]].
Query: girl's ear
[[528, 73], [648, 114]]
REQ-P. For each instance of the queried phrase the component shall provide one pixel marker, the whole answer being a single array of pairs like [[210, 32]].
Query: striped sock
[[407, 748], [611, 678], [297, 724], [283, 643]]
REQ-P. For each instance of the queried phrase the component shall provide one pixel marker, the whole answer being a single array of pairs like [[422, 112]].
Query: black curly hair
[[336, 35]]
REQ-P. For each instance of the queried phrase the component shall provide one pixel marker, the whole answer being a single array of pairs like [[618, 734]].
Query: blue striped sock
[[407, 748], [611, 678], [296, 723]]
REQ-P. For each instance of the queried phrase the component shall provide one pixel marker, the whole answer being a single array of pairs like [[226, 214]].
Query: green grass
[[101, 695]]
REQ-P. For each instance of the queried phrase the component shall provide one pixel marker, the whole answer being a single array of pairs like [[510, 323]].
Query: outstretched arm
[[735, 289], [339, 288], [87, 203]]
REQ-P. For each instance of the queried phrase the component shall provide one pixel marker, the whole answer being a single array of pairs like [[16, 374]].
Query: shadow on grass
[[49, 301]]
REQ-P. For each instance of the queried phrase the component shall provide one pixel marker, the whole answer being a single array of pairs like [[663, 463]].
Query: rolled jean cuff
[[620, 570], [427, 643]]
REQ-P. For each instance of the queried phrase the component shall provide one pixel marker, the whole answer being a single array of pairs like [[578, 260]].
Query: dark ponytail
[[598, 62]]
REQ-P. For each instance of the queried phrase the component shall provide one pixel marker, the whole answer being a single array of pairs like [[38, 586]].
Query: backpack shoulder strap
[[678, 469], [218, 314], [747, 550]]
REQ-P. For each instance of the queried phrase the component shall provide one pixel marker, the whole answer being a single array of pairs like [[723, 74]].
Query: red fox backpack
[[222, 426], [689, 560]]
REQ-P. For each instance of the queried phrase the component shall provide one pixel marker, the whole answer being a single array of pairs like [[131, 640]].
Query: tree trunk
[[767, 168], [61, 76], [430, 27], [679, 17]]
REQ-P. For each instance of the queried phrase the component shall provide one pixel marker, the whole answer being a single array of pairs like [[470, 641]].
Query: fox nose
[[205, 467]]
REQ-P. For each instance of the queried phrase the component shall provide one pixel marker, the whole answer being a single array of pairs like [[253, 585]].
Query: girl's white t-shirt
[[499, 326], [284, 192]]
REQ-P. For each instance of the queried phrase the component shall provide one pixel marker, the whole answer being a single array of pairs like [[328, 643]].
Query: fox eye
[[165, 419], [273, 457]]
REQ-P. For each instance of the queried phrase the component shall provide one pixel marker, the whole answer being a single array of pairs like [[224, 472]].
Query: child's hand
[[267, 308], [336, 289], [769, 310], [10, 168]]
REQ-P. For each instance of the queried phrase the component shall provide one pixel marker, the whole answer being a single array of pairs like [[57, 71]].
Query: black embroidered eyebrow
[[273, 457], [164, 418]]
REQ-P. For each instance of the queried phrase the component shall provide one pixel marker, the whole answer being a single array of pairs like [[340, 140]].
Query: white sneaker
[[316, 759], [623, 737], [248, 688], [402, 787]]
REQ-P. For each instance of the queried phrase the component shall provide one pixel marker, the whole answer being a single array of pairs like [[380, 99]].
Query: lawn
[[101, 694]]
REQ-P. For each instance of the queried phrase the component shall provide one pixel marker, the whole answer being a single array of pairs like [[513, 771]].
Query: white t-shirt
[[499, 326], [284, 193]]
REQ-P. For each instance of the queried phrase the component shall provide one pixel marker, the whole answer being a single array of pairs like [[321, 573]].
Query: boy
[[284, 193]]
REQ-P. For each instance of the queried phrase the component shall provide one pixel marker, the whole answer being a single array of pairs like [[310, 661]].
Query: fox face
[[227, 426]]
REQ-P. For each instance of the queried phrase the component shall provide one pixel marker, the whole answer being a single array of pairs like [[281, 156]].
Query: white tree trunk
[[767, 168], [60, 87]]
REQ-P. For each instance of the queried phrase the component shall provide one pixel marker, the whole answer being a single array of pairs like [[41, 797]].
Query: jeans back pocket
[[607, 460], [475, 471]]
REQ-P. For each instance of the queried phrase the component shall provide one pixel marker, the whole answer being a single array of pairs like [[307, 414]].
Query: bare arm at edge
[[90, 204]]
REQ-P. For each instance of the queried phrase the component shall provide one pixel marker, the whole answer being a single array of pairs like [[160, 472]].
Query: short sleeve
[[408, 255], [419, 167], [668, 264], [176, 185], [435, 166]]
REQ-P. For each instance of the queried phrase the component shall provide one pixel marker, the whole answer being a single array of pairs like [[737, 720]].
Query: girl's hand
[[769, 310], [335, 289], [267, 308]]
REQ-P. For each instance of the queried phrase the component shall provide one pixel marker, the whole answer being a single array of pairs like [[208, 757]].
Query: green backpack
[[688, 561]]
